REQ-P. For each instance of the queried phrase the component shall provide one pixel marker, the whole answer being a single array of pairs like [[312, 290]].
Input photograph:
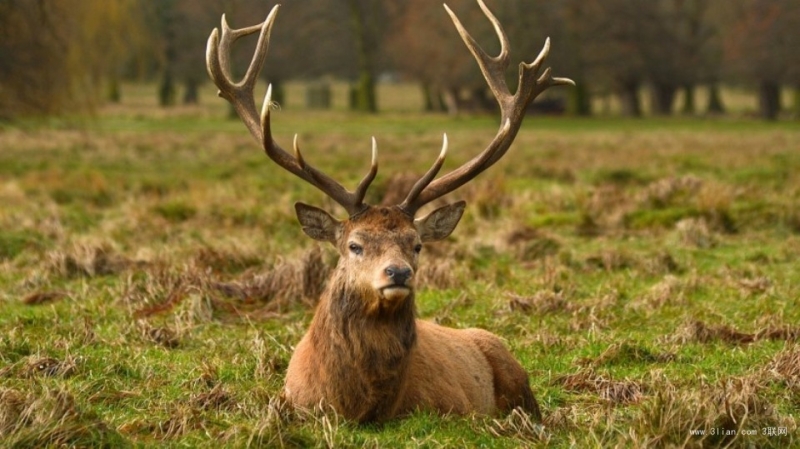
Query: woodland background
[[657, 57]]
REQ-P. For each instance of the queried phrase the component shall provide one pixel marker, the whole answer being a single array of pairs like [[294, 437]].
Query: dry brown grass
[[541, 302], [47, 417], [89, 260], [700, 332], [613, 392]]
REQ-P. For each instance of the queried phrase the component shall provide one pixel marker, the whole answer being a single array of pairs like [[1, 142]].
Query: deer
[[365, 352]]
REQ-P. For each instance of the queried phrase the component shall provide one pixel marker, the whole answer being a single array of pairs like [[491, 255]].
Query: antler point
[[297, 154], [563, 82], [267, 102], [374, 151]]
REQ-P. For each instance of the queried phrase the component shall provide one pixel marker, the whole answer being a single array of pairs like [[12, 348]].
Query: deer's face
[[380, 247]]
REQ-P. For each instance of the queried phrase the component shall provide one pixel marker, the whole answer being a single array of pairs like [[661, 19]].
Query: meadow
[[153, 277]]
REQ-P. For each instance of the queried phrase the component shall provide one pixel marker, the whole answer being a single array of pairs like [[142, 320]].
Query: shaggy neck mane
[[362, 356]]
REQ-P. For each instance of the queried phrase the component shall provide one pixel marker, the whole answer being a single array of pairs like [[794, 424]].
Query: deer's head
[[379, 246]]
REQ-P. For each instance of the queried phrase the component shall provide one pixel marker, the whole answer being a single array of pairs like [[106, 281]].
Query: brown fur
[[367, 355]]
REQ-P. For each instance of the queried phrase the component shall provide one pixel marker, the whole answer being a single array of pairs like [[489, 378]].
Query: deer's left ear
[[317, 224], [438, 224]]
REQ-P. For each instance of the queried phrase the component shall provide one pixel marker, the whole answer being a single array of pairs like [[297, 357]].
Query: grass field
[[153, 278]]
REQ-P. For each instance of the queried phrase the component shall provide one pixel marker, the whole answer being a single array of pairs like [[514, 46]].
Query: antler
[[240, 95], [512, 107]]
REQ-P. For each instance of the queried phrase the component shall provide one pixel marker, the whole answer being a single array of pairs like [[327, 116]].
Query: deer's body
[[365, 353], [442, 369], [371, 359]]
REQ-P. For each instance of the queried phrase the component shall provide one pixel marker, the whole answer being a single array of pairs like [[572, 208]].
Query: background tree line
[[58, 56]]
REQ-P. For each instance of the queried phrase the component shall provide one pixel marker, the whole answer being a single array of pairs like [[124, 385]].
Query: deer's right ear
[[440, 223], [317, 224]]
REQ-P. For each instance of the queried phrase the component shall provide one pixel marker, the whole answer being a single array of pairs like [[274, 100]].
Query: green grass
[[643, 271]]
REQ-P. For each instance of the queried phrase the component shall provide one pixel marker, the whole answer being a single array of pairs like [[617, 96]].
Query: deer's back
[[448, 373]]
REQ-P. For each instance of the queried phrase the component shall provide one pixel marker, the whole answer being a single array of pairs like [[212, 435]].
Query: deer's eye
[[356, 249], [418, 248]]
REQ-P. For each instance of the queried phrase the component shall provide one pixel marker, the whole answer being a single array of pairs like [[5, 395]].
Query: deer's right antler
[[512, 107], [240, 95]]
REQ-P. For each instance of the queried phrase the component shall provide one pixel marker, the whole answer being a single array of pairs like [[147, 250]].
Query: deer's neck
[[364, 356]]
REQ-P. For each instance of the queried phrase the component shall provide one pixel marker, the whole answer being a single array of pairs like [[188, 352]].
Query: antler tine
[[512, 108], [492, 67], [426, 179], [361, 190], [218, 51], [240, 95], [296, 164]]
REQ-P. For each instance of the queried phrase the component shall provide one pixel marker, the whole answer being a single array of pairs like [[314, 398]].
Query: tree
[[55, 54], [673, 50], [761, 48], [363, 34]]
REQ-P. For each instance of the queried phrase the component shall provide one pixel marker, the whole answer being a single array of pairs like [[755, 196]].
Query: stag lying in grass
[[365, 353]]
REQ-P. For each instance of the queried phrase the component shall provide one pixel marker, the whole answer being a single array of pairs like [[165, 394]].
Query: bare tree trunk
[[113, 93], [318, 96], [427, 98], [166, 89], [191, 94], [688, 100], [715, 105], [628, 92], [451, 100], [432, 98], [580, 101], [480, 99], [278, 92], [663, 97], [364, 96], [769, 99]]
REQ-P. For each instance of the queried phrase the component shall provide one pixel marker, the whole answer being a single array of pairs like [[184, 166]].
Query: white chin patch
[[393, 294]]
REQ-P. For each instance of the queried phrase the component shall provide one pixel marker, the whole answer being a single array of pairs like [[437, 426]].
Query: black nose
[[397, 274]]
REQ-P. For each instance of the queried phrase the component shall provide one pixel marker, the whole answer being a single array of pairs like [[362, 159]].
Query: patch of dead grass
[[754, 286], [529, 244], [665, 191], [669, 291], [441, 266], [695, 232], [268, 361], [785, 366], [519, 425], [611, 391], [542, 302], [44, 297], [224, 261], [51, 367], [605, 209], [627, 353], [89, 259], [46, 417], [301, 279], [713, 415], [612, 260], [253, 296], [697, 331], [161, 335], [660, 263]]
